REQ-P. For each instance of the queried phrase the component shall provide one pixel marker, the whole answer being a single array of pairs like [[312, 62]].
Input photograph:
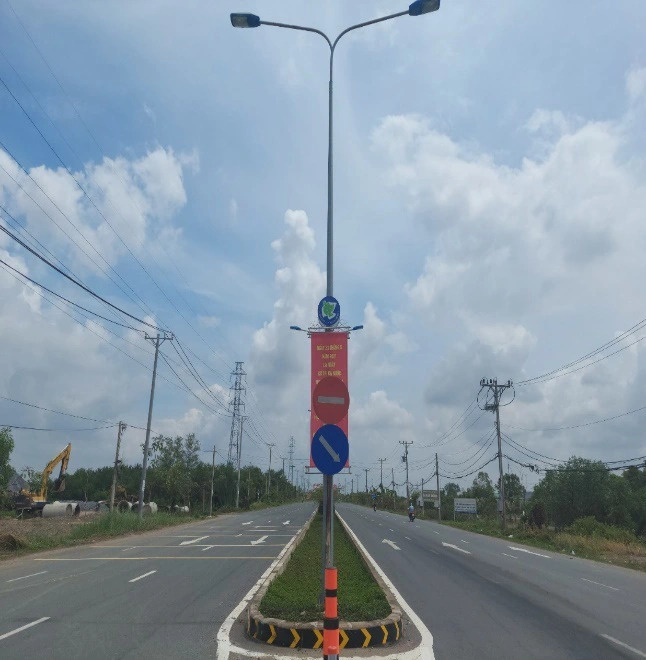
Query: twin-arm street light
[[417, 8]]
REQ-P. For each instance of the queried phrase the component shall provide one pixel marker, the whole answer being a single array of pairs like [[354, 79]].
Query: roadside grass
[[294, 594], [45, 534], [627, 552]]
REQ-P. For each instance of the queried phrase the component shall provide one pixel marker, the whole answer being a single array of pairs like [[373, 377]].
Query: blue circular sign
[[329, 311], [330, 449]]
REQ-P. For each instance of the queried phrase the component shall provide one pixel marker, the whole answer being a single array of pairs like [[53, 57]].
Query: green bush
[[590, 526]]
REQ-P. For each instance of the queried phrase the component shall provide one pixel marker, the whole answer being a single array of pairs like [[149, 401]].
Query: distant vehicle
[[33, 502]]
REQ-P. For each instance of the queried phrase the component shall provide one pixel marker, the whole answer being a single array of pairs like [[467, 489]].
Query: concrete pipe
[[58, 509], [181, 509], [151, 507], [124, 506]]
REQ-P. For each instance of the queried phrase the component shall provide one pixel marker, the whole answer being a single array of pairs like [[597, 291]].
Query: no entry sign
[[331, 400]]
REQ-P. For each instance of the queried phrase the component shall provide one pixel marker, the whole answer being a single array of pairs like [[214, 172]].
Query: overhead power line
[[72, 279], [33, 428]]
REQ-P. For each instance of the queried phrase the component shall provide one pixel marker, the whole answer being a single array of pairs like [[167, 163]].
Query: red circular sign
[[331, 400]]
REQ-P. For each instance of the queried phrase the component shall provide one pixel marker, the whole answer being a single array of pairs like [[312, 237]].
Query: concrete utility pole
[[366, 470], [381, 468], [291, 460], [405, 459], [439, 500], [392, 472], [497, 390], [271, 446], [422, 496], [212, 480], [158, 341], [122, 428]]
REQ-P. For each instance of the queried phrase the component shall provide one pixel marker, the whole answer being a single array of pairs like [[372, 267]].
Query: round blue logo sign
[[329, 312]]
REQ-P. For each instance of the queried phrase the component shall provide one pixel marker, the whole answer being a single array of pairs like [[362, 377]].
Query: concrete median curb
[[309, 635]]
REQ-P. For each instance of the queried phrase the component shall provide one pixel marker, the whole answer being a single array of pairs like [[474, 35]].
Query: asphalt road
[[159, 595], [483, 597]]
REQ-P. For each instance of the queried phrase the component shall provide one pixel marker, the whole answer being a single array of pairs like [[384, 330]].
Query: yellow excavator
[[33, 502]]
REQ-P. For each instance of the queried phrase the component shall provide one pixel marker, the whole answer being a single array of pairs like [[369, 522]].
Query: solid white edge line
[[141, 577], [601, 585], [24, 577], [616, 641], [29, 625]]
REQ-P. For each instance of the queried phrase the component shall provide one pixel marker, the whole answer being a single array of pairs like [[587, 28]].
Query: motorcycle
[[374, 507], [411, 516]]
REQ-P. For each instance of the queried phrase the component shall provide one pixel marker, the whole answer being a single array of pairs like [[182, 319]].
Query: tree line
[[176, 475]]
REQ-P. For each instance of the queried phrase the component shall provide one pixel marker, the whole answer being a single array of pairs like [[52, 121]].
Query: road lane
[[487, 604], [141, 596]]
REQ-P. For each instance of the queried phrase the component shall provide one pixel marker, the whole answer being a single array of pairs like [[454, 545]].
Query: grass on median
[[37, 534], [294, 594]]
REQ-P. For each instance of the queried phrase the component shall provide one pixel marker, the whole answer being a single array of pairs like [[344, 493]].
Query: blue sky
[[489, 213]]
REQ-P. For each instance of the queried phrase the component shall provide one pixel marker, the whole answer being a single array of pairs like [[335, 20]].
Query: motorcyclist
[[411, 512]]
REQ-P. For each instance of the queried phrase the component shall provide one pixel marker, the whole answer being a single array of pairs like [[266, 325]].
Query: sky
[[489, 222]]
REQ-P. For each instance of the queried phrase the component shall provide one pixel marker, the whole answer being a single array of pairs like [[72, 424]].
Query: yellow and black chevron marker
[[312, 638]]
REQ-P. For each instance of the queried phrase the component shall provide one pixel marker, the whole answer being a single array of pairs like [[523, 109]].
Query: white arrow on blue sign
[[330, 449]]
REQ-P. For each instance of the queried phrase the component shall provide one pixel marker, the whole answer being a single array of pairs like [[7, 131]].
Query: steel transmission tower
[[236, 406]]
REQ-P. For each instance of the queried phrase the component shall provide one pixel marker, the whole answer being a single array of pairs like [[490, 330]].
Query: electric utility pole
[[392, 472], [212, 480], [381, 468], [122, 428], [291, 459], [366, 470], [405, 460], [439, 500], [497, 390], [158, 341], [271, 446]]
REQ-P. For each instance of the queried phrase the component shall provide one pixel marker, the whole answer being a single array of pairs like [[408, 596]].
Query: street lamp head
[[245, 20], [420, 7]]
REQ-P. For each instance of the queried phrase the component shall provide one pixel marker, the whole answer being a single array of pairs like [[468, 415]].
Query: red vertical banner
[[329, 358]]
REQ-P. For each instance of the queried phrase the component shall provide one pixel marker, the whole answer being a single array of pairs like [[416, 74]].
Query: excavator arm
[[59, 484]]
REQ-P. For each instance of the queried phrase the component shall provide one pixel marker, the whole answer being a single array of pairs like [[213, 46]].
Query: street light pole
[[244, 20]]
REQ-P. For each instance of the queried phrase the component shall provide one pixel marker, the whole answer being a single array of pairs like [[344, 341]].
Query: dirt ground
[[30, 527]]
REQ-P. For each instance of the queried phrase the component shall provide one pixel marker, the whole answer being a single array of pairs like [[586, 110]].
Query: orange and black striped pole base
[[331, 620]]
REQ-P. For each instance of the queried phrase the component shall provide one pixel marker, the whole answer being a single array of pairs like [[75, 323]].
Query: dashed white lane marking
[[238, 535], [201, 538], [463, 541], [455, 547], [24, 577], [406, 537], [29, 625], [601, 585], [512, 556], [248, 523], [529, 552], [616, 641], [132, 547], [141, 577], [207, 547], [392, 530], [434, 532], [286, 522]]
